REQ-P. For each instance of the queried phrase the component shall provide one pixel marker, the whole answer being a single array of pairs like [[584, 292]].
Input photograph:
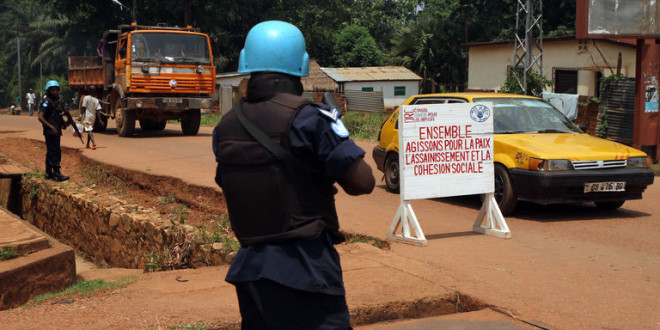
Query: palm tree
[[430, 47], [48, 45]]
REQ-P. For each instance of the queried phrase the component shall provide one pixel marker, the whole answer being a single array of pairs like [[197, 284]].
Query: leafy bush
[[535, 83]]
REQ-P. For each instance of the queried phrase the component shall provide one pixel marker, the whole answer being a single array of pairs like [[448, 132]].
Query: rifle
[[69, 121], [330, 100]]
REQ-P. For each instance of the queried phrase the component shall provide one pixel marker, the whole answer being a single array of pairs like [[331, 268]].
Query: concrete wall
[[488, 64], [387, 87], [112, 232]]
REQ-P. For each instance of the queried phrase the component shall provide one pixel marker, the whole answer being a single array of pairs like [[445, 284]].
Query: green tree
[[431, 47], [354, 47], [383, 17]]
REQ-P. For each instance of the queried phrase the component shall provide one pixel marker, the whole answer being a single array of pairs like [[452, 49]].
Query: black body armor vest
[[268, 199]]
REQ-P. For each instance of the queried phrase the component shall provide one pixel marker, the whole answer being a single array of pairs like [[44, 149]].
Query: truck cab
[[150, 74]]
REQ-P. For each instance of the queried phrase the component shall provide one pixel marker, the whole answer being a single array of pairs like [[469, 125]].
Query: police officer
[[279, 156], [50, 116]]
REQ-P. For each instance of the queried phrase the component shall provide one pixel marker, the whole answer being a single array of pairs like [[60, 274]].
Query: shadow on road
[[550, 213], [451, 235], [140, 134]]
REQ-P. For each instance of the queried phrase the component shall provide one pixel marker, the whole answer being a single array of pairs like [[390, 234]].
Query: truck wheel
[[160, 125], [504, 193], [190, 122], [147, 124], [392, 172], [125, 120], [100, 123]]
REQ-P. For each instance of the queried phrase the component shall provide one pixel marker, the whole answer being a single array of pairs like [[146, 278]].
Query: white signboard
[[446, 150]]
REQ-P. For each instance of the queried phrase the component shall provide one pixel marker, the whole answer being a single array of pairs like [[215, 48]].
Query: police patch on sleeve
[[332, 113], [339, 128], [45, 104]]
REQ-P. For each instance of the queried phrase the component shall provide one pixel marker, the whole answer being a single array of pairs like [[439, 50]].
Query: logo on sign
[[417, 115], [173, 83], [479, 113]]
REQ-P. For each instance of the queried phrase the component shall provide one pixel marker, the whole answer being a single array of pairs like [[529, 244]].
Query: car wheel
[[609, 205], [392, 172], [504, 193]]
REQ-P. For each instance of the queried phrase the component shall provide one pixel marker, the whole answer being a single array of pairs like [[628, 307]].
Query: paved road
[[565, 266]]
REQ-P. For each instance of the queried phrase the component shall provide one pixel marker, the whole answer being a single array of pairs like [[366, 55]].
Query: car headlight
[[549, 165], [638, 162]]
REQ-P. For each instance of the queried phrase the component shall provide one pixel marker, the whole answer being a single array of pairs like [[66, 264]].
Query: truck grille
[[599, 164], [159, 83]]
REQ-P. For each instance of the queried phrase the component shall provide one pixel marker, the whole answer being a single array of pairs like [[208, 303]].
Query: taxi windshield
[[520, 115], [170, 47]]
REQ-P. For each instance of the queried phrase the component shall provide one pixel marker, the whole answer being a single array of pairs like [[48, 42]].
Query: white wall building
[[575, 66], [396, 83]]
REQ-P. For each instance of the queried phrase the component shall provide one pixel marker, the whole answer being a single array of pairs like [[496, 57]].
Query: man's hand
[[358, 179]]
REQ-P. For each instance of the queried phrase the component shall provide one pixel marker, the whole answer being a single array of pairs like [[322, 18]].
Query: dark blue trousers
[[53, 150], [266, 304]]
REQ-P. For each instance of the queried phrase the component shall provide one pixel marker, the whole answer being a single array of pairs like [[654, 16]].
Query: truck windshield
[[170, 48]]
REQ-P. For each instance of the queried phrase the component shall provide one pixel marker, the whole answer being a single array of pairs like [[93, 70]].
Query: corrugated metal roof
[[378, 73], [621, 41]]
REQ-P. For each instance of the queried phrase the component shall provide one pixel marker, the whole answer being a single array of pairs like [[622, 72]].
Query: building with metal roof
[[396, 83]]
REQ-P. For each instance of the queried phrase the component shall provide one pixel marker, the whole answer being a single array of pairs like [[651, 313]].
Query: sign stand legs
[[490, 220], [406, 218]]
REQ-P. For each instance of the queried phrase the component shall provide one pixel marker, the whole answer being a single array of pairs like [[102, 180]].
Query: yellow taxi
[[539, 155]]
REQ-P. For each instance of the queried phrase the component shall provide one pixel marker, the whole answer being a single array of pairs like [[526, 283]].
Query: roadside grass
[[210, 120], [361, 125], [359, 238], [219, 231], [199, 325], [656, 169], [364, 125], [82, 288], [8, 253]]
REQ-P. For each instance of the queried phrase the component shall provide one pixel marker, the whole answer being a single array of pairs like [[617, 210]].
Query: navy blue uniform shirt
[[320, 138]]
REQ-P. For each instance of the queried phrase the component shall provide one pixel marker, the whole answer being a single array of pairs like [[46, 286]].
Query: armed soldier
[[50, 116], [279, 156]]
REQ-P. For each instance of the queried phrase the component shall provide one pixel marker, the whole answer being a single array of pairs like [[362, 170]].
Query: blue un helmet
[[52, 83], [274, 46]]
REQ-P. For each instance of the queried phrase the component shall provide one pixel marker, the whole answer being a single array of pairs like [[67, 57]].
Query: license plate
[[604, 186], [172, 100]]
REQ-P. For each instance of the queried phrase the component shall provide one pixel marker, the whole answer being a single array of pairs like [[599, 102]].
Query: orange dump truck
[[149, 74]]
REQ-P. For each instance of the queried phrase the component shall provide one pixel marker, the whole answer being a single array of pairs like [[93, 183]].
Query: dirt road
[[565, 266]]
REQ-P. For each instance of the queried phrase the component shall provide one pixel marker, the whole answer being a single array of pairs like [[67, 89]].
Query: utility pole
[[134, 11], [18, 46], [528, 49]]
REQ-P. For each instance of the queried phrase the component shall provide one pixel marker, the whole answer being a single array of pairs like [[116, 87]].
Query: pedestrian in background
[[31, 101], [50, 116], [279, 156], [19, 105], [90, 104]]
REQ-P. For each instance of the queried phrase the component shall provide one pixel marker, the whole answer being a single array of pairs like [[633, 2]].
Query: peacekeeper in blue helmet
[[279, 156], [50, 116]]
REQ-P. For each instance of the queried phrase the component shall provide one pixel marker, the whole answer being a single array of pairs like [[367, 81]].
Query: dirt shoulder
[[566, 266]]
